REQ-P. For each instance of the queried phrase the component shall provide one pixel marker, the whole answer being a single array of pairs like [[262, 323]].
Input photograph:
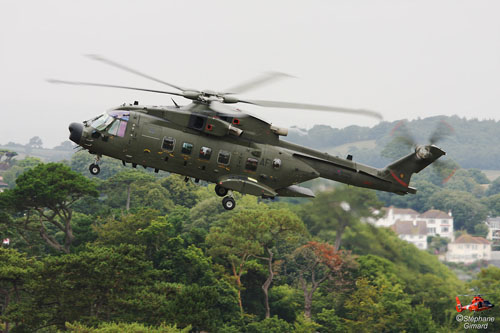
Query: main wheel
[[228, 203], [221, 191], [94, 169]]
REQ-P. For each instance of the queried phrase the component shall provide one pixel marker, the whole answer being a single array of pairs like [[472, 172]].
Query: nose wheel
[[228, 203], [94, 169]]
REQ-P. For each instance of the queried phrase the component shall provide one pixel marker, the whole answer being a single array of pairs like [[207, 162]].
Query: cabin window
[[276, 163], [187, 148], [224, 157], [113, 129], [198, 122], [205, 153], [168, 144], [251, 164]]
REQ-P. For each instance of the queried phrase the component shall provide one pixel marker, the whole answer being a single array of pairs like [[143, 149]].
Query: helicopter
[[478, 303], [211, 141]]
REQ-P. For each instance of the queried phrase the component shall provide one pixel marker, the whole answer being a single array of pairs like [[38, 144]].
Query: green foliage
[[81, 161], [467, 210], [125, 328], [271, 325], [18, 168], [494, 187], [43, 198], [493, 204], [173, 261]]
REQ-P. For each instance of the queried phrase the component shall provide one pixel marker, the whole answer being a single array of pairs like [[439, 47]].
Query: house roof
[[435, 214], [408, 227], [493, 219], [468, 239]]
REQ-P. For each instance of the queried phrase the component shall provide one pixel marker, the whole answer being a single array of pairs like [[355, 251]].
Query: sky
[[404, 59]]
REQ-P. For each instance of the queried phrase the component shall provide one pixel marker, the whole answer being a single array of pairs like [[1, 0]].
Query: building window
[[444, 229], [205, 153], [168, 144], [187, 148], [224, 157], [431, 230], [251, 164]]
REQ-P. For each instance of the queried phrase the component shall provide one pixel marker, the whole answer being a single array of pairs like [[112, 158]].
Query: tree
[[319, 262], [338, 209], [493, 204], [181, 193], [18, 168], [35, 142], [65, 145], [494, 187], [81, 160], [467, 210], [237, 241], [278, 225], [258, 231], [125, 179], [43, 197], [97, 284], [15, 270]]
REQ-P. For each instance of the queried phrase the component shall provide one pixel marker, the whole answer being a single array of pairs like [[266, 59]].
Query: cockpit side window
[[100, 121]]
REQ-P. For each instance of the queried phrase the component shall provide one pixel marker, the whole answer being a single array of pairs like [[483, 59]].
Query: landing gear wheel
[[220, 191], [228, 203], [94, 169]]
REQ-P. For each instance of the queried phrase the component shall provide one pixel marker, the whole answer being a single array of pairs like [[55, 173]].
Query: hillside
[[471, 145]]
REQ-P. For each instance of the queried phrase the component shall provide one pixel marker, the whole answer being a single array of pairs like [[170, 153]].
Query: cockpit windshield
[[114, 122]]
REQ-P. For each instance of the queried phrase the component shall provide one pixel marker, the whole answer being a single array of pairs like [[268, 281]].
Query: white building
[[392, 214], [493, 224], [468, 249], [438, 223], [414, 232]]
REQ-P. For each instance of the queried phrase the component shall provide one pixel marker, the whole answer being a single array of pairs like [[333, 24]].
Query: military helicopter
[[478, 303], [209, 140]]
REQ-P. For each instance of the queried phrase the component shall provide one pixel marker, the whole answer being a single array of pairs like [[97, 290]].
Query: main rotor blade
[[303, 106], [111, 86], [131, 70], [256, 82]]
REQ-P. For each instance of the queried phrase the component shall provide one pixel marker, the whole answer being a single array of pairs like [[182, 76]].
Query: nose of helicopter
[[75, 130]]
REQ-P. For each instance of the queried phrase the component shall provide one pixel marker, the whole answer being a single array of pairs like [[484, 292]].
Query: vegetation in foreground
[[134, 252]]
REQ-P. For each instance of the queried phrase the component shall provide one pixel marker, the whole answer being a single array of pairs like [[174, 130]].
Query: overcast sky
[[405, 59]]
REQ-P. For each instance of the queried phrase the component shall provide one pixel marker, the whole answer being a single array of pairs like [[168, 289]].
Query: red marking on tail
[[398, 180]]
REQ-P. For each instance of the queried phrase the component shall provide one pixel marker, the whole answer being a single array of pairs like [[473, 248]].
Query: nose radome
[[75, 130]]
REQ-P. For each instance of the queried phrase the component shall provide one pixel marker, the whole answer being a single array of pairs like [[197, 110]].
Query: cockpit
[[113, 122]]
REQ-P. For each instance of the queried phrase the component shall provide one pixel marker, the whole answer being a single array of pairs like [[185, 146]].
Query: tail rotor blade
[[442, 131]]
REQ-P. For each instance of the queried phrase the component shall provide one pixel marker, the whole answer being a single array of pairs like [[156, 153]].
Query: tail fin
[[459, 305], [402, 170]]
